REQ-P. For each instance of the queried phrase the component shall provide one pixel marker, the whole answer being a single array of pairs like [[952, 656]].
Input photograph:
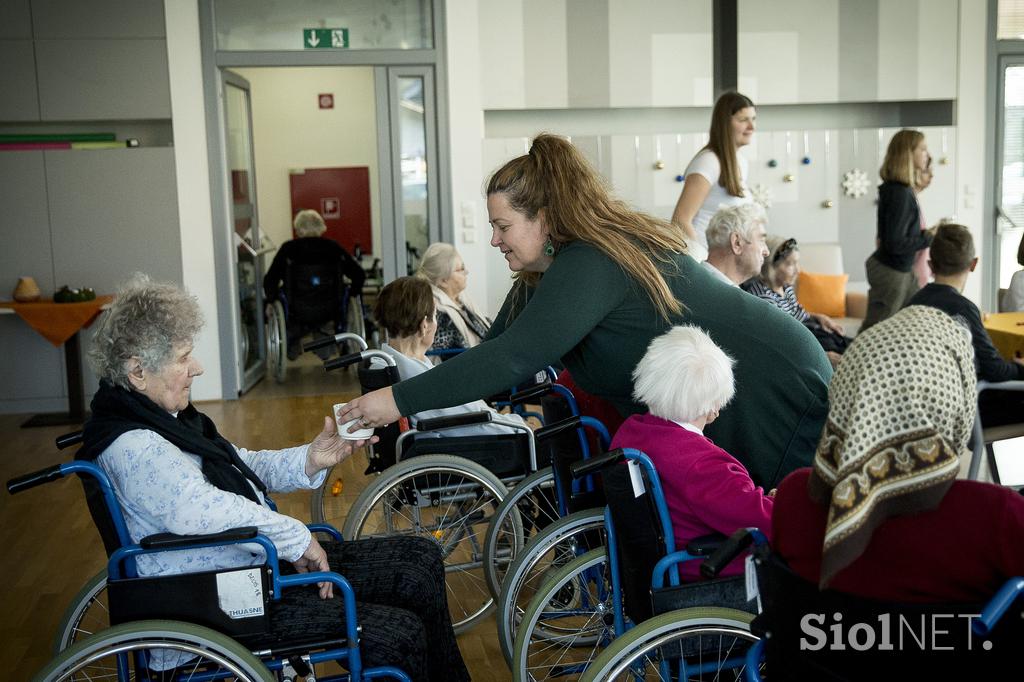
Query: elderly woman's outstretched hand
[[328, 448], [375, 409]]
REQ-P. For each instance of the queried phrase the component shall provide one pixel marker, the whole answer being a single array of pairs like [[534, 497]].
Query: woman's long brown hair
[[720, 140], [556, 178]]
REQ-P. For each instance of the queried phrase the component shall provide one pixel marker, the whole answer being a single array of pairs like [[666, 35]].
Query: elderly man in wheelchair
[[175, 476]]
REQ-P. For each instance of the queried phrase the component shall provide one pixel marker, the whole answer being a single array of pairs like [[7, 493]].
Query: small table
[[60, 323], [1007, 332]]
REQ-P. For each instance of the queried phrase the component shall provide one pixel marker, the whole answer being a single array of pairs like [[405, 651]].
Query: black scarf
[[116, 411]]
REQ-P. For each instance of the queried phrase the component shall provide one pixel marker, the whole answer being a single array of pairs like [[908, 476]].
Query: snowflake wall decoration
[[855, 183], [762, 194]]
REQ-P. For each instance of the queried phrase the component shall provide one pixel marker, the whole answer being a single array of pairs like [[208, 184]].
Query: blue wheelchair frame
[[122, 565]]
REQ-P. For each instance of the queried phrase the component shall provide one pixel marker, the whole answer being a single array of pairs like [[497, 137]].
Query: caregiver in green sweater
[[594, 282]]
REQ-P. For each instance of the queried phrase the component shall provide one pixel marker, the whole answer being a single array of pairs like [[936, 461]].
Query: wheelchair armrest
[[168, 541], [735, 545], [705, 545], [468, 419], [528, 394], [588, 466]]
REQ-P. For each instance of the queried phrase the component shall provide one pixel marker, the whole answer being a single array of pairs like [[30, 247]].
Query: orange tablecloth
[[1007, 332], [58, 322]]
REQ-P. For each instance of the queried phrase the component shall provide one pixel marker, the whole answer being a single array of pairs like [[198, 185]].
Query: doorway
[[371, 99], [1010, 168]]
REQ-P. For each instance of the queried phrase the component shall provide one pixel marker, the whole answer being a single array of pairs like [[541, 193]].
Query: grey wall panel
[[15, 19], [25, 226], [113, 212], [588, 53], [98, 18], [103, 79], [31, 368], [20, 100]]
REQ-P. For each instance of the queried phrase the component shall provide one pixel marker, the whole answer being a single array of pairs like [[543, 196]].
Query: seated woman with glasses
[[405, 309], [775, 285], [459, 323]]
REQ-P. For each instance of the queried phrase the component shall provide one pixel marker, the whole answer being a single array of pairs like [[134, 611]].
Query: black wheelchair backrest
[[639, 540], [315, 291]]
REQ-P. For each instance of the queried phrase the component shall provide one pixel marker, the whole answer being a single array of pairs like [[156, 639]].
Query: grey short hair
[[309, 223], [740, 219], [145, 321], [684, 375], [438, 262], [774, 243]]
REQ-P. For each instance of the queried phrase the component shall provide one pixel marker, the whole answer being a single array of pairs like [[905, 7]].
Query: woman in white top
[[405, 309], [717, 175], [1013, 301], [459, 323]]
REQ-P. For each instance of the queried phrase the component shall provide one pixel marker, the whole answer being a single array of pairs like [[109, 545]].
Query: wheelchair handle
[[529, 393], [346, 360], [556, 428], [51, 473], [588, 466], [69, 439], [336, 339], [726, 552]]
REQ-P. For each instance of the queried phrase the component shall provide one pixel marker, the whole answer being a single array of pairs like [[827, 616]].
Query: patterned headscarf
[[901, 407]]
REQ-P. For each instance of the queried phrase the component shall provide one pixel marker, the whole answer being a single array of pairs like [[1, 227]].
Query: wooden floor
[[50, 547]]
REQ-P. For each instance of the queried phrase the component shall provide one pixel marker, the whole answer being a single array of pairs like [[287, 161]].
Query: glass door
[[1010, 176], [414, 167], [246, 233]]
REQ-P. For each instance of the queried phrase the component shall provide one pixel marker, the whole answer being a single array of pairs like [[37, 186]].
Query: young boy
[[685, 380], [952, 261]]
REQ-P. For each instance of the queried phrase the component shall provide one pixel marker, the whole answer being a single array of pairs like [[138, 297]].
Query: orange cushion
[[824, 294]]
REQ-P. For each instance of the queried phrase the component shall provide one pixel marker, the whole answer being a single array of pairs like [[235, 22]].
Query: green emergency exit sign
[[324, 38]]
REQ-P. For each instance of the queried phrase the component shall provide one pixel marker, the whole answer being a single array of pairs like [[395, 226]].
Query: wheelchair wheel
[[86, 615], [700, 643], [277, 342], [325, 507], [126, 650], [533, 501], [444, 498], [548, 551], [568, 621]]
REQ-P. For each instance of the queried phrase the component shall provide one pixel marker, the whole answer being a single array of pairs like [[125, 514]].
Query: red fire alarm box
[[342, 197]]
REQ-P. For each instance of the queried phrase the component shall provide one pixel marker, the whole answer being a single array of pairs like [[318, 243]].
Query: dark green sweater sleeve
[[580, 289]]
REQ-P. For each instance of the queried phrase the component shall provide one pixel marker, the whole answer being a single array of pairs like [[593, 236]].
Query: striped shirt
[[786, 300]]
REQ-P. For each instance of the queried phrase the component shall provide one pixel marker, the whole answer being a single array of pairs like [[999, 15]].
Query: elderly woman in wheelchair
[[677, 490], [879, 528], [172, 472], [406, 309]]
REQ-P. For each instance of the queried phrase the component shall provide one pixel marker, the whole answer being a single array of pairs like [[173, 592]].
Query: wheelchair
[[811, 634], [209, 625], [605, 603], [314, 299], [448, 489]]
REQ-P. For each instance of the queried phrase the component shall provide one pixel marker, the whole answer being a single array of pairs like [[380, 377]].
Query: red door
[[342, 197]]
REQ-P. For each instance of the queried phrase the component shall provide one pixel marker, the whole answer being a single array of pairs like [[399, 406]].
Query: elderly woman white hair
[[685, 380], [459, 324], [308, 223], [172, 471]]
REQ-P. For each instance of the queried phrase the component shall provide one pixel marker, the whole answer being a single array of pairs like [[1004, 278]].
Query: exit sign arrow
[[324, 38]]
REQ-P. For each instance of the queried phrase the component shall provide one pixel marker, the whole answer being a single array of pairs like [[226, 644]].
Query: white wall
[[184, 64], [971, 123], [291, 131]]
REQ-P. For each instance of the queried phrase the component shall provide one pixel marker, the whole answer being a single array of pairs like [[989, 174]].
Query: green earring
[[549, 248]]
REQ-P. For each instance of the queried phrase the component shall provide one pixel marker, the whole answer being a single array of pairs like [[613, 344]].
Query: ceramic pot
[[27, 290]]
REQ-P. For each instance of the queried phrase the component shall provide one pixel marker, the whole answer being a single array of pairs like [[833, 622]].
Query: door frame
[[214, 62]]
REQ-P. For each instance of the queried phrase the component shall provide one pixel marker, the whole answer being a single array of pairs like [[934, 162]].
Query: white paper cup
[[360, 434]]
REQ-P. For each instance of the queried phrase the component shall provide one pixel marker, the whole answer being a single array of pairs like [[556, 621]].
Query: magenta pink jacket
[[706, 489]]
